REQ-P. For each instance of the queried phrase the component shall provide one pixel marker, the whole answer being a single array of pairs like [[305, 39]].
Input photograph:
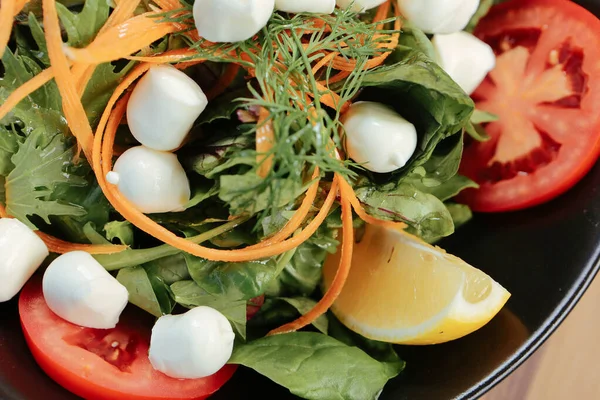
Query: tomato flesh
[[545, 90], [103, 364]]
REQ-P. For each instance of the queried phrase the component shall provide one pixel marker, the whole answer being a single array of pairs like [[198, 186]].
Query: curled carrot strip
[[225, 80], [7, 12], [265, 137], [122, 40], [72, 107], [59, 246], [341, 275]]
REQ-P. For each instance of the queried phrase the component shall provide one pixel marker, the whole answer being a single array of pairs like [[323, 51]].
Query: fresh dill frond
[[281, 62]]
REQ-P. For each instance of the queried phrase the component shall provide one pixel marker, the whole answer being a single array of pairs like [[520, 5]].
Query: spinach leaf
[[302, 274], [461, 214], [315, 366], [380, 351], [414, 38], [422, 93], [423, 212], [280, 310], [146, 291], [482, 11], [169, 269], [234, 281], [189, 294]]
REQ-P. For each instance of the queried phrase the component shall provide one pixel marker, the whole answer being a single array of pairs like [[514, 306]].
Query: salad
[[202, 185]]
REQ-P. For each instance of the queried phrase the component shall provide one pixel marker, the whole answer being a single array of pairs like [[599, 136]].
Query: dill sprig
[[281, 61]]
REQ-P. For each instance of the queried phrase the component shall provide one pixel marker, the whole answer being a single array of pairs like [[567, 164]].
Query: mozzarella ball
[[192, 345], [439, 16], [154, 181], [359, 5], [163, 107], [378, 138], [231, 20], [465, 58], [21, 254], [78, 289], [306, 6]]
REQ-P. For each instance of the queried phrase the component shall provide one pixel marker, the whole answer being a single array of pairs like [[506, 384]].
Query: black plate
[[546, 257]]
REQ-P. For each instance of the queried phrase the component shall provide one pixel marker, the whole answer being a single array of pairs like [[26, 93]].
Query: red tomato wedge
[[103, 364], [546, 91]]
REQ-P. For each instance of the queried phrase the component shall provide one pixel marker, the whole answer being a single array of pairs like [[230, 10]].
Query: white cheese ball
[[192, 345], [231, 20], [154, 181], [360, 5], [465, 58], [306, 6], [439, 16], [377, 137], [78, 289], [163, 108], [21, 254]]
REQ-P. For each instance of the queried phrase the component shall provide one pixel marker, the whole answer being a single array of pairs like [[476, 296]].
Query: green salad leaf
[[39, 169], [189, 294], [146, 291], [278, 311], [315, 366], [82, 27], [422, 93]]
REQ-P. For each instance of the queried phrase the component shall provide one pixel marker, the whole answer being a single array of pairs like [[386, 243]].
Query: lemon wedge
[[403, 290]]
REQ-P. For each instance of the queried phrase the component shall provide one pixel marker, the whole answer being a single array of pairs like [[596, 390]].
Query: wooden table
[[568, 365]]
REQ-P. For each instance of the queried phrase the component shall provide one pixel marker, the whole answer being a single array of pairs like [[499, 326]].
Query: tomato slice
[[103, 364], [546, 91]]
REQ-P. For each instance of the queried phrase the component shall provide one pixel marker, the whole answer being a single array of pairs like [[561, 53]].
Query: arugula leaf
[[223, 106], [122, 230], [189, 294], [41, 109], [151, 295], [39, 169], [424, 94], [82, 27], [477, 132], [9, 144], [315, 366]]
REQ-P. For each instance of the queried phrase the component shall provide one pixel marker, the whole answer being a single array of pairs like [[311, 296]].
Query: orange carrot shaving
[[265, 138], [7, 13], [72, 107], [59, 246], [102, 163], [122, 40], [341, 275], [381, 14], [231, 72]]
